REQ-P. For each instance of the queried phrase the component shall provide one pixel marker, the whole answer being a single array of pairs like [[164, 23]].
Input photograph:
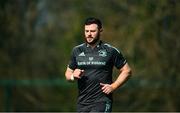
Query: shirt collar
[[97, 45]]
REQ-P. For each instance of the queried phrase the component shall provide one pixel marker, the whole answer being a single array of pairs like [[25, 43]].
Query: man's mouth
[[90, 37]]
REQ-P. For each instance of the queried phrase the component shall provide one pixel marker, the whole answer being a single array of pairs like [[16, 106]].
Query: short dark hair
[[93, 20]]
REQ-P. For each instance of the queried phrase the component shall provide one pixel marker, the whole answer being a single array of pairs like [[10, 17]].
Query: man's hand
[[78, 73], [107, 88]]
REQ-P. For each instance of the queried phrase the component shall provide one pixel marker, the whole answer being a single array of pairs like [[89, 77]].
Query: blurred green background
[[36, 38]]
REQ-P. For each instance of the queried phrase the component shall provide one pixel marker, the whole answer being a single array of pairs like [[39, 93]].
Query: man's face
[[92, 33]]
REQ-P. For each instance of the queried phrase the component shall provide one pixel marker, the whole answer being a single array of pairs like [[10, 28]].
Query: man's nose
[[89, 33]]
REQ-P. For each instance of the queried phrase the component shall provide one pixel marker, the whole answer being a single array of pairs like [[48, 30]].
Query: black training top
[[97, 64]]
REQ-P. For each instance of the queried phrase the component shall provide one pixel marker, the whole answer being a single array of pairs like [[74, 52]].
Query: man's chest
[[95, 59]]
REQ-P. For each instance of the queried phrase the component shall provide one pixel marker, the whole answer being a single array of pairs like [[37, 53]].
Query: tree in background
[[36, 38]]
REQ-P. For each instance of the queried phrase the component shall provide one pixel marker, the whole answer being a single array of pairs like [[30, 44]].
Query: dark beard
[[94, 41]]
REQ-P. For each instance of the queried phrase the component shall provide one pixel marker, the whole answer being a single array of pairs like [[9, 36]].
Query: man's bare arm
[[125, 73], [71, 74]]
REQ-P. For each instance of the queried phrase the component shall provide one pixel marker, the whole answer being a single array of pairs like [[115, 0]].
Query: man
[[91, 65]]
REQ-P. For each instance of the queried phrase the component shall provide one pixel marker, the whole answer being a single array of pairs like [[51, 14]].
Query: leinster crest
[[102, 53]]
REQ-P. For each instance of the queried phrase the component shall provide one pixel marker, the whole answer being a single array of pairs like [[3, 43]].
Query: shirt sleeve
[[118, 59], [72, 63]]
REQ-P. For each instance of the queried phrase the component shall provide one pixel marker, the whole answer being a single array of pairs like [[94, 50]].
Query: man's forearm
[[73, 74], [69, 75], [122, 78]]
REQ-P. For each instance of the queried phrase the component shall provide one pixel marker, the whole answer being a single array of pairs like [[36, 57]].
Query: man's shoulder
[[80, 46], [110, 47]]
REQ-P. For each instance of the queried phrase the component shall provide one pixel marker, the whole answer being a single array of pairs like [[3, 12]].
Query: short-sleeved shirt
[[97, 64]]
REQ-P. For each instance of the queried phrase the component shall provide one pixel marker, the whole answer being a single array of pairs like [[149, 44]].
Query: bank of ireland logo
[[102, 53]]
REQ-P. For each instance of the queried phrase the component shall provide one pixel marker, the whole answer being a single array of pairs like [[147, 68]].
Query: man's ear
[[101, 30]]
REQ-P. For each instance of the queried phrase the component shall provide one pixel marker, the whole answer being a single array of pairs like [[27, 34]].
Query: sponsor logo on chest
[[92, 60]]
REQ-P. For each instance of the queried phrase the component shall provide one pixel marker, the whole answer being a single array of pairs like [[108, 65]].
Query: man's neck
[[94, 45]]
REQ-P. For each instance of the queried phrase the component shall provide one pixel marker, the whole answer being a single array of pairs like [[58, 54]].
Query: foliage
[[36, 38]]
